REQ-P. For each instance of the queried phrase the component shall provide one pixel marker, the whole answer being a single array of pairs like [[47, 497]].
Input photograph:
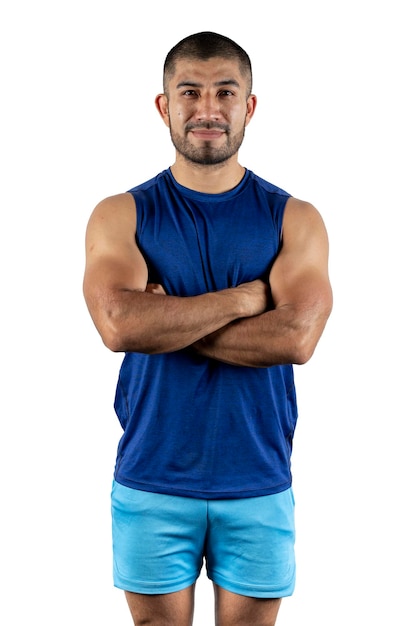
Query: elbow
[[307, 340], [302, 348], [113, 339], [117, 338], [117, 333], [113, 333], [302, 353], [296, 351]]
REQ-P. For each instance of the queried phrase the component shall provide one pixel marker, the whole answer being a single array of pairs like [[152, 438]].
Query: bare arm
[[302, 299], [129, 315]]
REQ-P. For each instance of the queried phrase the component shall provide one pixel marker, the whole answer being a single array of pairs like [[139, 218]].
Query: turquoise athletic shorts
[[160, 542]]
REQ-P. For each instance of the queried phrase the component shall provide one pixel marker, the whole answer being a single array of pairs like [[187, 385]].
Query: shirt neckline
[[209, 197]]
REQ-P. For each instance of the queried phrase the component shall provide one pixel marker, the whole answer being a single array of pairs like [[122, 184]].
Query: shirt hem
[[201, 493]]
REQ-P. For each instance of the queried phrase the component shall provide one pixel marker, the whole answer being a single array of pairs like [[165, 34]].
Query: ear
[[250, 108], [161, 103]]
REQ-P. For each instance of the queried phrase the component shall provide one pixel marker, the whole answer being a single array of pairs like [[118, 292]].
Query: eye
[[190, 93], [225, 93]]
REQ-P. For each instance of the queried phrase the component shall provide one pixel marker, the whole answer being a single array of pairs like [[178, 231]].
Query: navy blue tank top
[[194, 426]]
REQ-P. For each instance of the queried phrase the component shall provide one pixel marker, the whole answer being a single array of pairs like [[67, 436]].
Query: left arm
[[301, 295]]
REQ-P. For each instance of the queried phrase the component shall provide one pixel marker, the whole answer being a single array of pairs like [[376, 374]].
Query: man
[[213, 282]]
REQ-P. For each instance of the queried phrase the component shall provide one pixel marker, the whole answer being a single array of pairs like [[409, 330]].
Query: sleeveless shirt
[[194, 426]]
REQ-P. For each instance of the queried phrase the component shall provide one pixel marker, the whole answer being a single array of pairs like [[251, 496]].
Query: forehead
[[209, 72]]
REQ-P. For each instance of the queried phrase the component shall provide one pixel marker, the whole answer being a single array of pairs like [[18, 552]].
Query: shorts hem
[[148, 588], [253, 591]]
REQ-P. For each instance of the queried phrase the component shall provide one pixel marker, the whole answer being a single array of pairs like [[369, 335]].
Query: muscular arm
[[302, 299], [133, 317]]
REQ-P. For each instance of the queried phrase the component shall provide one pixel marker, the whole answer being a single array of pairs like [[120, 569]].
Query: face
[[207, 109]]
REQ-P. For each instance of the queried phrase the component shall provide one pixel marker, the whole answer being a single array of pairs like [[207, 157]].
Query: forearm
[[137, 321], [276, 337]]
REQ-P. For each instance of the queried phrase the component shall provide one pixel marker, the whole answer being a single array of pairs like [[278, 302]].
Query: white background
[[335, 125]]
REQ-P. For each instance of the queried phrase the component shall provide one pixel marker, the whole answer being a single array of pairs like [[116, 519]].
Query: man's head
[[203, 46], [207, 100]]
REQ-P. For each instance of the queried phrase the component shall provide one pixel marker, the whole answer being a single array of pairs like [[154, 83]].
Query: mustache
[[207, 126]]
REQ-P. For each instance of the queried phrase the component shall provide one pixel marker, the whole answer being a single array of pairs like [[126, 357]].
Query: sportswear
[[160, 542], [194, 426]]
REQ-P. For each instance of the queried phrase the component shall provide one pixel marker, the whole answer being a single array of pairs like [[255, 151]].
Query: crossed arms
[[236, 325]]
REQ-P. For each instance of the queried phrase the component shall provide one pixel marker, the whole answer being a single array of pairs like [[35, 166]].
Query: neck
[[208, 178]]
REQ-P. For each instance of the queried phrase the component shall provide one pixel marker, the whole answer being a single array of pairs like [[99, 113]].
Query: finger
[[155, 288]]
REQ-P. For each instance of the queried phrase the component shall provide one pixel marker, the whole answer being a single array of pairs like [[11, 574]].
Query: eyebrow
[[220, 83]]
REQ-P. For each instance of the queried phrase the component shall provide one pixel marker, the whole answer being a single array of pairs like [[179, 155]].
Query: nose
[[208, 108]]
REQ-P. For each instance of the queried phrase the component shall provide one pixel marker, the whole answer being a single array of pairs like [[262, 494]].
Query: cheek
[[238, 115], [238, 120], [179, 113], [178, 119]]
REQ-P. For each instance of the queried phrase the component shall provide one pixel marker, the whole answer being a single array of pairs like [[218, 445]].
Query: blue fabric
[[160, 541], [194, 426]]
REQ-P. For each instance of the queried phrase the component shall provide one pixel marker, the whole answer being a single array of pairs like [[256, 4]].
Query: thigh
[[237, 610], [250, 545], [158, 541], [172, 609]]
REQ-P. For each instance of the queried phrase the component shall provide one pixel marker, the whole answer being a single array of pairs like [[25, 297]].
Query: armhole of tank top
[[138, 221], [281, 223]]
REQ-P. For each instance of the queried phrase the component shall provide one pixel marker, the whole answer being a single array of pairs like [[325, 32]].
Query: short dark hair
[[204, 46]]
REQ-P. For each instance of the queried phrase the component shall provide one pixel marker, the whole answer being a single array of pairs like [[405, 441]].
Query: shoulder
[[301, 214], [117, 205], [303, 226], [113, 213]]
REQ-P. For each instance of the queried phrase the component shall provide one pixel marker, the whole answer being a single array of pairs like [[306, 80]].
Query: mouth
[[207, 131], [207, 134]]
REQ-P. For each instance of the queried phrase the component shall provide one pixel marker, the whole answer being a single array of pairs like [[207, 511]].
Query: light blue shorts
[[160, 542]]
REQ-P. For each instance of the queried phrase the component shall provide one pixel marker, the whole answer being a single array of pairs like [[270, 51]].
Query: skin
[[207, 108]]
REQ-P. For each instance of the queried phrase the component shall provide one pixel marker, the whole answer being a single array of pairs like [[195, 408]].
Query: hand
[[256, 296]]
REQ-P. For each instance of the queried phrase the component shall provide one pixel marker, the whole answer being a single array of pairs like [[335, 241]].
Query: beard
[[207, 154]]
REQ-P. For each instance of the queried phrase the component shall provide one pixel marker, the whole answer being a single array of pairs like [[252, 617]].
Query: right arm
[[130, 318]]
